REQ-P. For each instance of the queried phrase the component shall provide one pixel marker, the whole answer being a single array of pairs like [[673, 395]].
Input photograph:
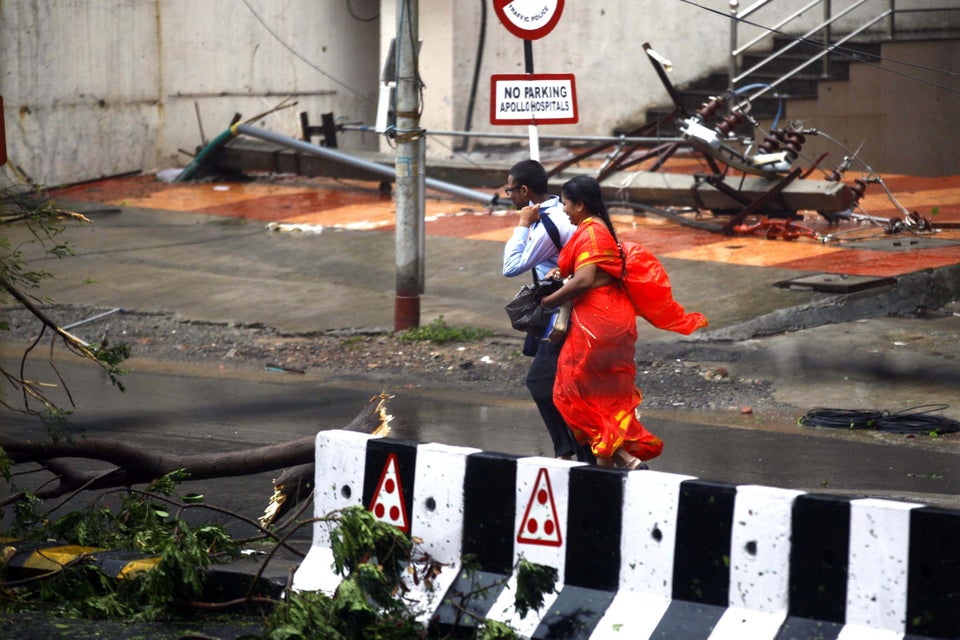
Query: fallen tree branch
[[296, 484], [137, 466]]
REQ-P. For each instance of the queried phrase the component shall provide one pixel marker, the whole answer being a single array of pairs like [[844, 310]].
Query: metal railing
[[820, 34]]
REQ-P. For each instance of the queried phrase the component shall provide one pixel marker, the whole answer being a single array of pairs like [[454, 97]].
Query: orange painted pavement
[[321, 202]]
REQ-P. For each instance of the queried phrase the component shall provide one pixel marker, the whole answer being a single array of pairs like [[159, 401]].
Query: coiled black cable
[[916, 420]]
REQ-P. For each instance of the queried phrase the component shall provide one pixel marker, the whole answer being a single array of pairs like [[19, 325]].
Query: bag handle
[[552, 230]]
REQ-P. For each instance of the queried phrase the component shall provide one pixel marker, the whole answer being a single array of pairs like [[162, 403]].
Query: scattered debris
[[281, 369]]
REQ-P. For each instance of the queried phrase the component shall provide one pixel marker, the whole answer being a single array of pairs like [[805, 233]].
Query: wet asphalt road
[[209, 410]]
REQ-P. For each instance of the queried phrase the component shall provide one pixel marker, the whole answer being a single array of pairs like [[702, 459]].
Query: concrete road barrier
[[643, 554]]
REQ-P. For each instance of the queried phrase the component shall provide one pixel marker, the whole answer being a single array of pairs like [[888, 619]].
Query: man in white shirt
[[541, 231]]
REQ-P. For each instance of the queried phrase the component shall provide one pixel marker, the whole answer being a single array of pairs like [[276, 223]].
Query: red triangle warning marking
[[540, 524], [387, 504]]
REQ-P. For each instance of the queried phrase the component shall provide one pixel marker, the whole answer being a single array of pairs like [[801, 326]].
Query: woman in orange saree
[[594, 388]]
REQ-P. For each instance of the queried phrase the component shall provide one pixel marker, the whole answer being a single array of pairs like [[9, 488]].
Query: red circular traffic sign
[[529, 19]]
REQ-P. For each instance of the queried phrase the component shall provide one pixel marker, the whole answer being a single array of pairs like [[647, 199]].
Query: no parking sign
[[533, 99]]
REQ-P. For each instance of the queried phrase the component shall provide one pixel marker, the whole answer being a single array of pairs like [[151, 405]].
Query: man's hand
[[529, 214]]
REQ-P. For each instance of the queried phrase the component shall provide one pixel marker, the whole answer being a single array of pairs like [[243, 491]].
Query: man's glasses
[[509, 190]]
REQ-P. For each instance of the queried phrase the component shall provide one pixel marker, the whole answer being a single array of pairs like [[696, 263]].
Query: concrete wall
[[100, 88], [93, 89], [323, 57], [81, 95], [105, 87]]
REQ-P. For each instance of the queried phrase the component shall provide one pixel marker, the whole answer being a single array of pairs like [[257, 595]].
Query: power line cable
[[915, 421], [302, 58]]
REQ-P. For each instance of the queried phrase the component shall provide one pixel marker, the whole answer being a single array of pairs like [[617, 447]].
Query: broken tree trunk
[[136, 466], [295, 484]]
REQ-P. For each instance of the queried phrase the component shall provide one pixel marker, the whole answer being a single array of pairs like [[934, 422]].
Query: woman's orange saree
[[594, 388]]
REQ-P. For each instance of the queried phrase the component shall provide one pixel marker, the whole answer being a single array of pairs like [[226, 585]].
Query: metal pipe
[[826, 51], [754, 7], [422, 231], [366, 165], [523, 136], [212, 147], [92, 318], [734, 5], [805, 38], [766, 34], [477, 64], [827, 10], [893, 20]]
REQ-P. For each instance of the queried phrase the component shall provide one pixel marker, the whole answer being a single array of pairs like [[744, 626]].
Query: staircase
[[801, 85], [795, 65]]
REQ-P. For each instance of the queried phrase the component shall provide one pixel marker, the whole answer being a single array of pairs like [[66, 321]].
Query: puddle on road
[[511, 426], [492, 423]]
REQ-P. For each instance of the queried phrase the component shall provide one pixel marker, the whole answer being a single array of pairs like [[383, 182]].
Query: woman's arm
[[585, 278]]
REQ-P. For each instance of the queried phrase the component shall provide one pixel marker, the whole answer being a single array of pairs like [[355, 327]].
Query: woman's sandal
[[623, 460]]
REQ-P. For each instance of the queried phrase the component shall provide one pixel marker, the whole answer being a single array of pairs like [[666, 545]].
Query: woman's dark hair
[[586, 189]]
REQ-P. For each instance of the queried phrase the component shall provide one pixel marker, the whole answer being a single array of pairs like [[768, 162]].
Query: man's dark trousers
[[540, 379]]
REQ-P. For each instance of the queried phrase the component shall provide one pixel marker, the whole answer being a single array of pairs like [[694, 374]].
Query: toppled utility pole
[[409, 172]]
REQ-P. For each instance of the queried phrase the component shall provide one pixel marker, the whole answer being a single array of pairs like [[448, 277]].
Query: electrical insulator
[[730, 122], [859, 187], [772, 142], [708, 109], [793, 143]]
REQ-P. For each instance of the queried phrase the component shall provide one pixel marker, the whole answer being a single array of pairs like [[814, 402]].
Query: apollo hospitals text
[[534, 99], [534, 106]]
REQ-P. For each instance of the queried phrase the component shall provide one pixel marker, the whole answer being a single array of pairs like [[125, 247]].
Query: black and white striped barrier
[[644, 554]]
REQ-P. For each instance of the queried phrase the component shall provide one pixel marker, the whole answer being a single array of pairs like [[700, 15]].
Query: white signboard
[[533, 99]]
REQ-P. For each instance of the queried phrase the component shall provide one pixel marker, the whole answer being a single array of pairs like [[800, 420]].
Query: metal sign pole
[[409, 172], [532, 127], [529, 21]]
